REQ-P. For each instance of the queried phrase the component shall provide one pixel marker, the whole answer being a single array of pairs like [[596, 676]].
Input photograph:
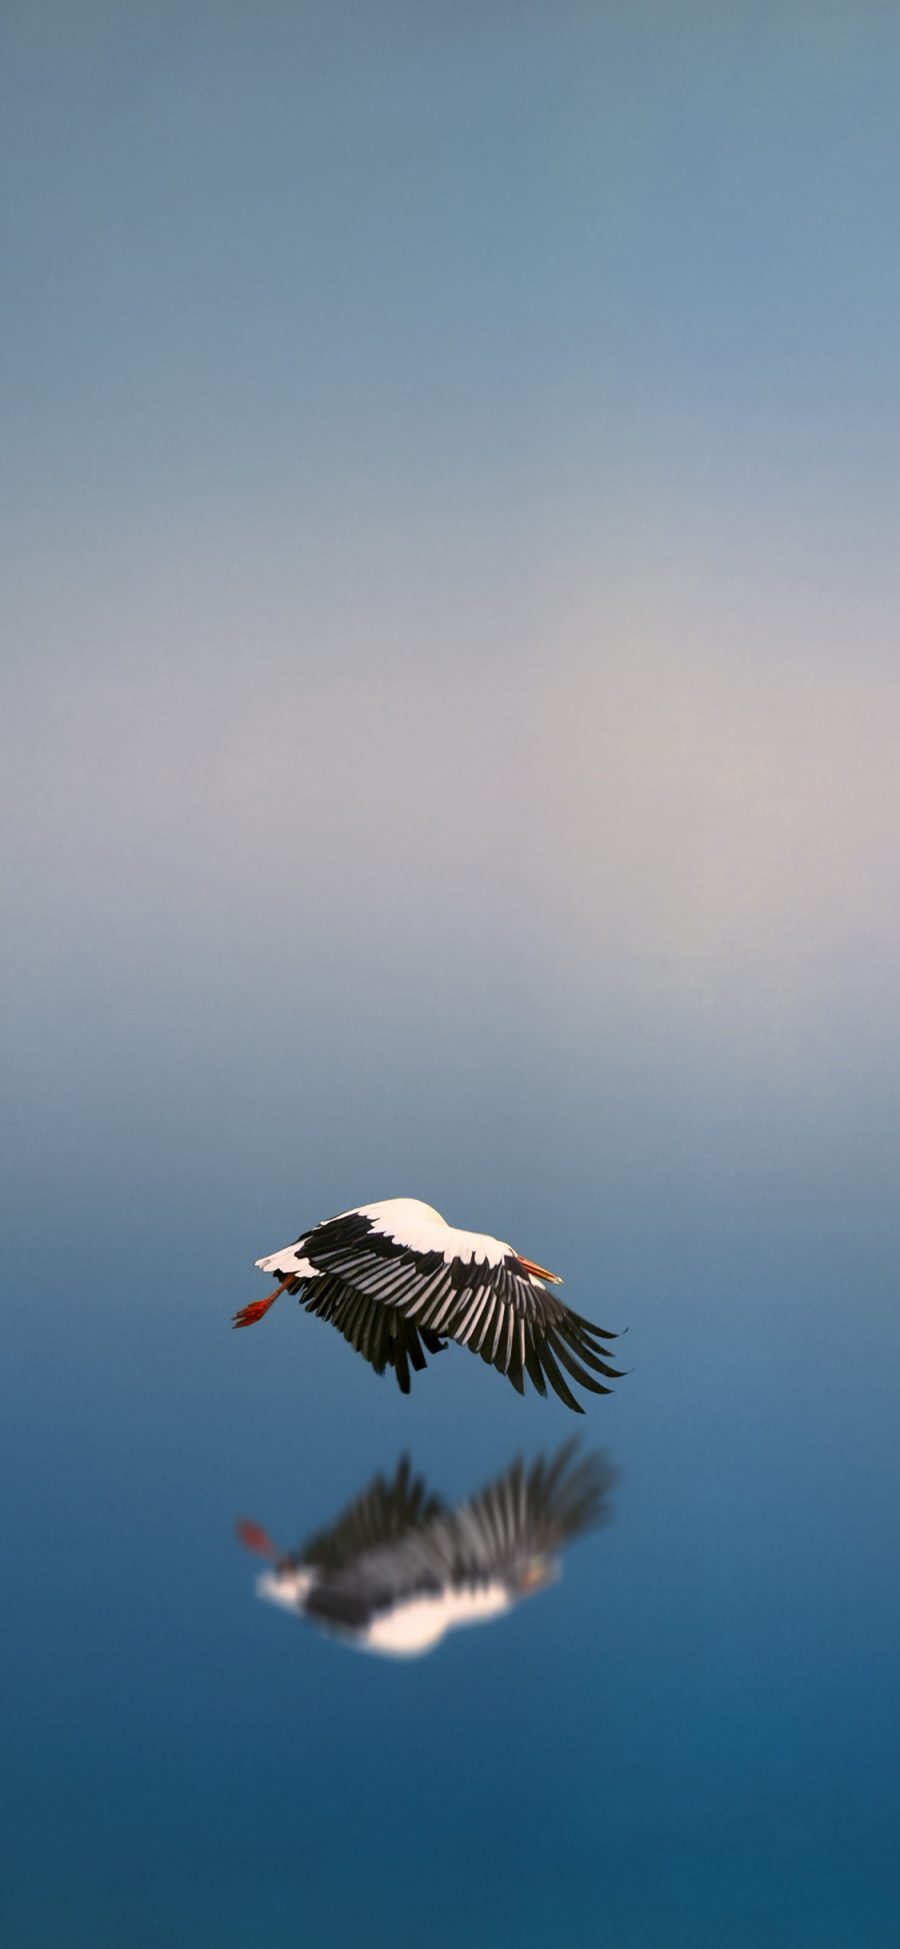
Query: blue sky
[[452, 585], [452, 578]]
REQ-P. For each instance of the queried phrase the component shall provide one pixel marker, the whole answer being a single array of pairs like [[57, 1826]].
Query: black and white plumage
[[397, 1281], [398, 1569]]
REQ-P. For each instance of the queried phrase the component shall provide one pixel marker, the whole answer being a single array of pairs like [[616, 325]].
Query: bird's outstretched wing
[[525, 1514], [495, 1538], [380, 1333], [390, 1299], [384, 1513]]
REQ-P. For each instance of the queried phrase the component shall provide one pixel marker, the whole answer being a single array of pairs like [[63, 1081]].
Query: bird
[[399, 1569], [397, 1281]]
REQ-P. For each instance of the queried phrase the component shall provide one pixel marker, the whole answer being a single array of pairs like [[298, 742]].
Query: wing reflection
[[398, 1569]]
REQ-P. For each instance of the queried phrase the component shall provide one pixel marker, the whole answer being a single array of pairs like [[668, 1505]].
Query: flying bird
[[397, 1281], [398, 1569]]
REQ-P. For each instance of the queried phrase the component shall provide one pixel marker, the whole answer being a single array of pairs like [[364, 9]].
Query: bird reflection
[[399, 1569]]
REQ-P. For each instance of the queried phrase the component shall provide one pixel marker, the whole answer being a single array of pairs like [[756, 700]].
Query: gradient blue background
[[450, 535]]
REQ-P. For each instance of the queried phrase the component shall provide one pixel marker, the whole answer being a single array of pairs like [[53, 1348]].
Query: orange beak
[[539, 1271], [536, 1575]]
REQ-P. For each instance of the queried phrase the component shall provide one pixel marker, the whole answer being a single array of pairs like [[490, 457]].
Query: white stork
[[398, 1569], [395, 1279]]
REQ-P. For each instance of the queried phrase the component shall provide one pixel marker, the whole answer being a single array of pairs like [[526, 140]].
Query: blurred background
[[451, 720]]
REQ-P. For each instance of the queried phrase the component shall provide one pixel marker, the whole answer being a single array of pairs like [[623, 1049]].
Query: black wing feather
[[386, 1511], [393, 1304], [396, 1542]]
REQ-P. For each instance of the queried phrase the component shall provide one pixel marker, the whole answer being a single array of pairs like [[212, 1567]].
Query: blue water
[[690, 1739]]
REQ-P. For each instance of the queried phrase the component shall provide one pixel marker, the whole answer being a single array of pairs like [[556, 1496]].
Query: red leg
[[254, 1537], [257, 1308]]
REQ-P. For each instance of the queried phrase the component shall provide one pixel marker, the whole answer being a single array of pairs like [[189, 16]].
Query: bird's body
[[414, 1623], [397, 1281], [399, 1569]]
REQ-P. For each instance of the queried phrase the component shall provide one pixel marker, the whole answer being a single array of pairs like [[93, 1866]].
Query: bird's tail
[[287, 1263], [289, 1587]]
